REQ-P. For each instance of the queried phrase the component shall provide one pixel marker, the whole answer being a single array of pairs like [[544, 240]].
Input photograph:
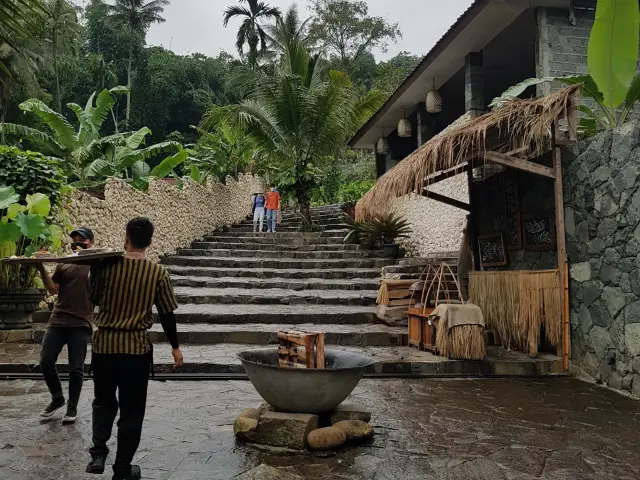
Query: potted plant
[[357, 232], [385, 230], [25, 229]]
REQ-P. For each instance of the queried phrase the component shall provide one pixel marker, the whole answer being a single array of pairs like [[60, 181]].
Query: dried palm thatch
[[461, 342], [516, 304], [515, 125], [390, 284]]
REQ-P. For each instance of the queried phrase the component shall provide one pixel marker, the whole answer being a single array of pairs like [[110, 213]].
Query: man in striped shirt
[[125, 290]]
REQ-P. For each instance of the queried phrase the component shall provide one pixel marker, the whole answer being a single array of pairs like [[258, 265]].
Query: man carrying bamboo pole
[[125, 290]]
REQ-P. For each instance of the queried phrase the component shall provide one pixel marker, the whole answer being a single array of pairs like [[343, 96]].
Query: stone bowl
[[304, 390]]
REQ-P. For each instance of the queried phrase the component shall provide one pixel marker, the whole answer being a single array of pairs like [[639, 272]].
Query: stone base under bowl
[[264, 428]]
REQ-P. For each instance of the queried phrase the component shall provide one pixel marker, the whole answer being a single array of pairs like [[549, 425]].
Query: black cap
[[84, 232]]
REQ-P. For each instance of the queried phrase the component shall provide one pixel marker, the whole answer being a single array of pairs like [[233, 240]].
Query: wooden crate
[[421, 334], [301, 349]]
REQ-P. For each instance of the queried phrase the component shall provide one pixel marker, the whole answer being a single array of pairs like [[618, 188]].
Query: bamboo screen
[[516, 304]]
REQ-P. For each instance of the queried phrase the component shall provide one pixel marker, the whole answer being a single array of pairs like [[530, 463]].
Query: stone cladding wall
[[602, 200], [179, 216], [436, 227]]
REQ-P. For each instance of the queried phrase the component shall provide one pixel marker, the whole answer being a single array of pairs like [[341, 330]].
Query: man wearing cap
[[70, 325]]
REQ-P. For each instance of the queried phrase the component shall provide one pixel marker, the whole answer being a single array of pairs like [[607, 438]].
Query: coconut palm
[[136, 16], [61, 22], [298, 118], [288, 38], [251, 32], [17, 20]]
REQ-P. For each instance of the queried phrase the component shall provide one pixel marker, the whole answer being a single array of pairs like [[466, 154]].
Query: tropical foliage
[[136, 16], [612, 86], [88, 157], [25, 229], [31, 172], [251, 32]]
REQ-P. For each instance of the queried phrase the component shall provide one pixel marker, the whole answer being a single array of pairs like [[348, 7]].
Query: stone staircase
[[241, 287], [237, 289]]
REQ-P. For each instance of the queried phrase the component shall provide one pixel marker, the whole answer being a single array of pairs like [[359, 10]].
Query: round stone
[[355, 430], [326, 438]]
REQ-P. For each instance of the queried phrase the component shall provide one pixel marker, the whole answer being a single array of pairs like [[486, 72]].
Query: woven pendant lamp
[[434, 100], [404, 128], [382, 146]]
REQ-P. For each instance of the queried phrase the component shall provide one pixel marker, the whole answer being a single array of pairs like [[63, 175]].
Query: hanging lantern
[[382, 146], [434, 100], [404, 128]]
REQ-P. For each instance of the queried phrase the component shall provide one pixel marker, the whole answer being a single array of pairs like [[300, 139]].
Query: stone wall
[[179, 216], [602, 199], [436, 227]]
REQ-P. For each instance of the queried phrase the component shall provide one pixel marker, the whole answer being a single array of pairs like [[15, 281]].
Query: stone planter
[[16, 308], [390, 250]]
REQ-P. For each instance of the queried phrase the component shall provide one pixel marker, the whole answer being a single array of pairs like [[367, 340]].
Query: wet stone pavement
[[493, 429]]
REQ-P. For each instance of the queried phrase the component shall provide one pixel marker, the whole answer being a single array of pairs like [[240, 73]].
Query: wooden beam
[[520, 164], [438, 177], [562, 247], [447, 200]]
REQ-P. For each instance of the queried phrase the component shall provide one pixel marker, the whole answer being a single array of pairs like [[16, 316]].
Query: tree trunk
[[56, 72], [305, 206], [129, 78]]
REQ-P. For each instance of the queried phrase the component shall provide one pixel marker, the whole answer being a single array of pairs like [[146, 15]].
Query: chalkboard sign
[[539, 233], [492, 251], [512, 210]]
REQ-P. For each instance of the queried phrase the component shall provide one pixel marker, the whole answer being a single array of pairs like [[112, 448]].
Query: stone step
[[265, 334], [288, 284], [272, 314], [277, 263], [292, 225], [273, 296], [277, 247], [279, 228], [242, 252], [398, 361], [273, 239], [279, 273], [338, 234]]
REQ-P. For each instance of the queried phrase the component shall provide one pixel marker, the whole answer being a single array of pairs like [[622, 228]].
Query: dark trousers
[[129, 375], [76, 339]]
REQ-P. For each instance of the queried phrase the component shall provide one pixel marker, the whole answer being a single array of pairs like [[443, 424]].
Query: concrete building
[[493, 45]]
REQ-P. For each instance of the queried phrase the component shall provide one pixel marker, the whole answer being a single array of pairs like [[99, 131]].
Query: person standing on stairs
[[125, 290], [273, 208], [258, 211], [70, 325]]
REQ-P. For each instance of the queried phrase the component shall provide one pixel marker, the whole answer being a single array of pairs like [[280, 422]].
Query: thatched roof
[[515, 125]]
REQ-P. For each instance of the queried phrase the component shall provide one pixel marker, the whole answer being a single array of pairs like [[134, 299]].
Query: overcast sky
[[196, 25]]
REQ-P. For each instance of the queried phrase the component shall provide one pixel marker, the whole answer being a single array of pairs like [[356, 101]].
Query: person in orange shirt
[[273, 208]]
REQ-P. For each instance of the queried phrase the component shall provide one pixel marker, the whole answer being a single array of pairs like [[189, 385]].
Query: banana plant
[[613, 84]]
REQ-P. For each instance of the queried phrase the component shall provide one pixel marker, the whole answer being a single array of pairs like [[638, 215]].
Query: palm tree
[[251, 31], [61, 22], [136, 16], [18, 18], [298, 118], [288, 38]]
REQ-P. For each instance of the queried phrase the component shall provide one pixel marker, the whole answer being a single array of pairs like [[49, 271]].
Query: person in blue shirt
[[258, 211]]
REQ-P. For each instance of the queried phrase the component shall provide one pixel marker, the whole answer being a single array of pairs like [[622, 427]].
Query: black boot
[[134, 474], [96, 465]]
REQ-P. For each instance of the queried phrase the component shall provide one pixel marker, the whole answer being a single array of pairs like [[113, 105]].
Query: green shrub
[[31, 172], [353, 191]]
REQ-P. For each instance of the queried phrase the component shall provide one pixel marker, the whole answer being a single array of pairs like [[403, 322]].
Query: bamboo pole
[[562, 246]]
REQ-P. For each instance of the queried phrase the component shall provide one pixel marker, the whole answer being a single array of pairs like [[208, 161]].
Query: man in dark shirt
[[125, 291], [69, 324]]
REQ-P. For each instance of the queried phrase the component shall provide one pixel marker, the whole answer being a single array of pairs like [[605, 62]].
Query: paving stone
[[349, 411], [265, 472], [286, 430]]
